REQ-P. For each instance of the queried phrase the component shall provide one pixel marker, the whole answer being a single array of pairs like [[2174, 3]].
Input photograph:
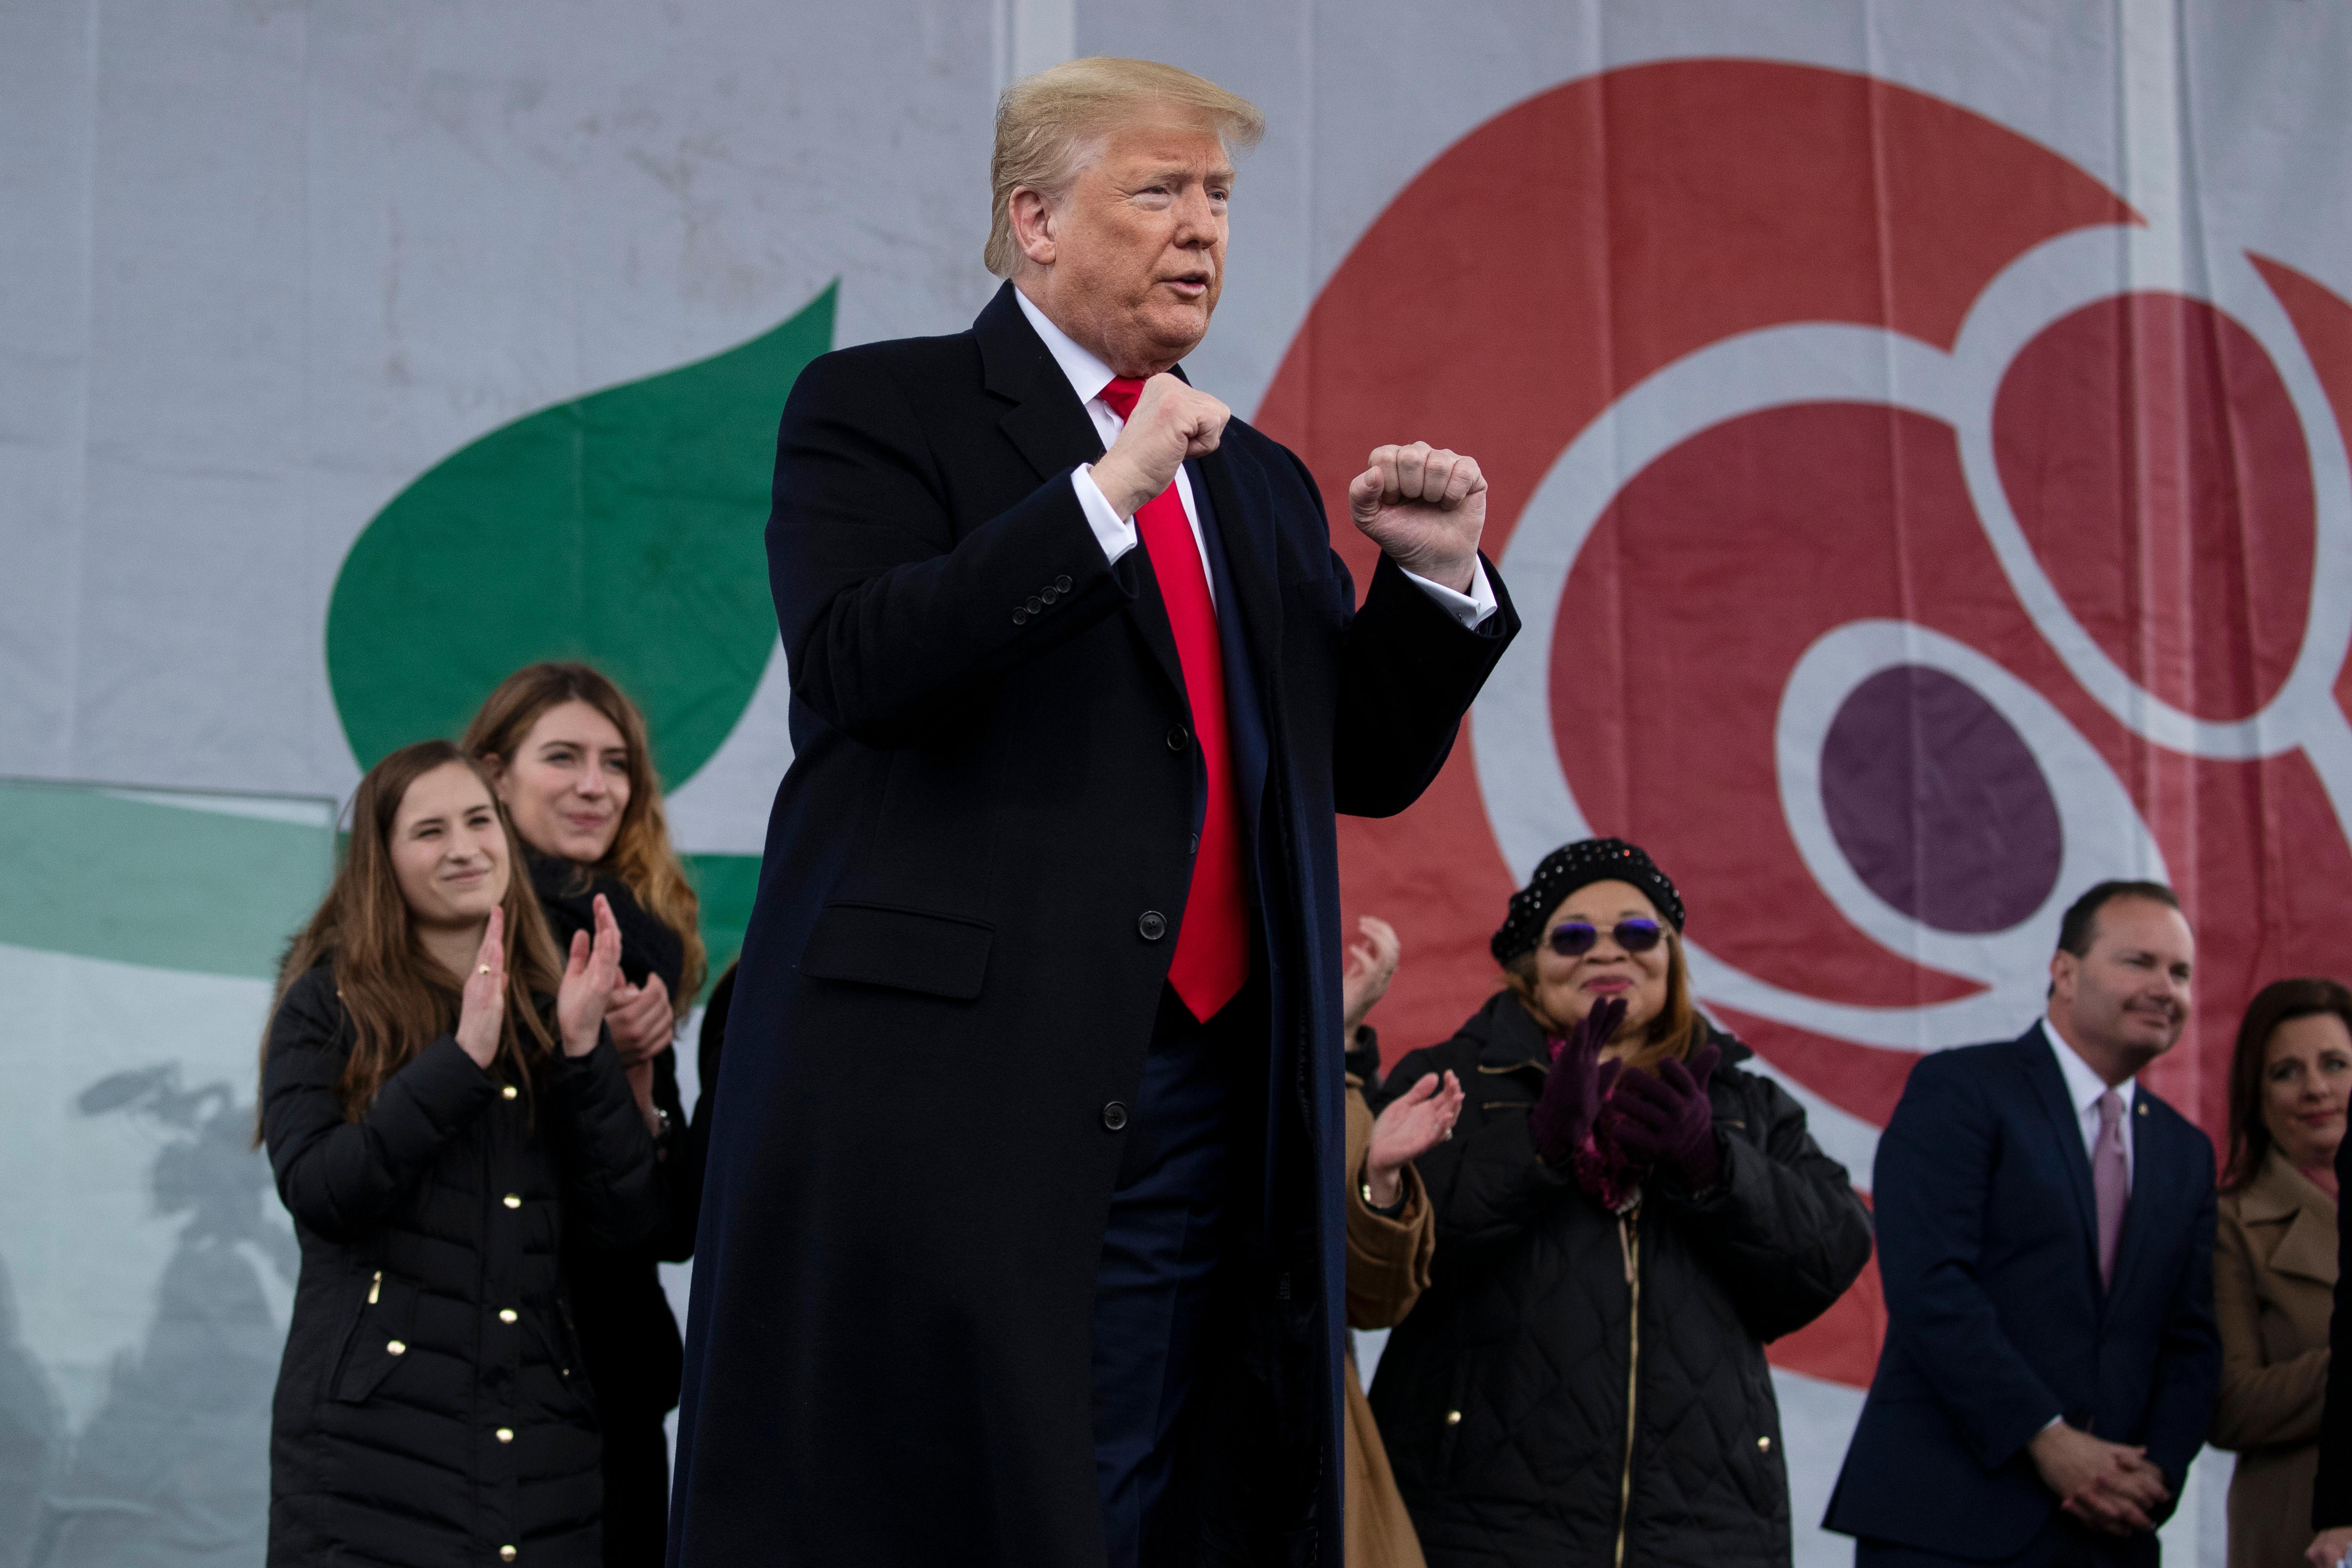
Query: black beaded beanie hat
[[1569, 867]]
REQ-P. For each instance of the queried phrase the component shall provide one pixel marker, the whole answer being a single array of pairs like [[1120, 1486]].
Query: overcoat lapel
[[2038, 1055], [1049, 427]]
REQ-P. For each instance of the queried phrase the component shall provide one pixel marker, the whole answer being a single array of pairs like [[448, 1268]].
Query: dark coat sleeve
[[2189, 1366], [887, 616], [1408, 671], [1935, 1164], [339, 1177], [1485, 1184], [1782, 1228], [614, 1194]]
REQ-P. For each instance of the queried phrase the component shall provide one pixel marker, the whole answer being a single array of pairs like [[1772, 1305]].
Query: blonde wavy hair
[[641, 856], [1049, 125]]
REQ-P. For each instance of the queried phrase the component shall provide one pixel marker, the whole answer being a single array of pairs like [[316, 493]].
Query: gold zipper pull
[[375, 1287], [1625, 1246]]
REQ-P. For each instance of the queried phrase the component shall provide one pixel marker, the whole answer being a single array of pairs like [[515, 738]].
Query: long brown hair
[[2279, 1002], [1674, 1032], [641, 857], [397, 999]]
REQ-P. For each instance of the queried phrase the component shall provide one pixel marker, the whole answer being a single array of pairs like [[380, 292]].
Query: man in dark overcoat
[[1022, 1240]]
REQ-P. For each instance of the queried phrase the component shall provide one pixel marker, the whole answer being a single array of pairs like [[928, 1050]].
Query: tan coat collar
[[2280, 1192]]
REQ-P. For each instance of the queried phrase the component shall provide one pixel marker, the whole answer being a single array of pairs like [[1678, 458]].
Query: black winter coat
[[627, 1333], [431, 1407], [1503, 1399], [975, 876]]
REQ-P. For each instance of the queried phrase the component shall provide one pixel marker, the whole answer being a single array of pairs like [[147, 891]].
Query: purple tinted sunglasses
[[1574, 938]]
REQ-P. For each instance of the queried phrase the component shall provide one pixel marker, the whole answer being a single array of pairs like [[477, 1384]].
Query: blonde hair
[[1046, 124]]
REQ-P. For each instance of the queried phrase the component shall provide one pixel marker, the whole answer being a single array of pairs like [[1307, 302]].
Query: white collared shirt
[[1087, 376], [2083, 1088]]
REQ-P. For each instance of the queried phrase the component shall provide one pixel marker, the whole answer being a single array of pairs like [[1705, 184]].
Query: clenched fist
[[1170, 422], [1424, 508]]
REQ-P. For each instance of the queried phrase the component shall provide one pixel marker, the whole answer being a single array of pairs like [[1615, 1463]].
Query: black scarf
[[567, 891]]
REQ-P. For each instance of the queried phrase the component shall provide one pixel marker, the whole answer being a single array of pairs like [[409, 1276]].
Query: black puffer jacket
[[628, 1337], [430, 1406], [1503, 1399]]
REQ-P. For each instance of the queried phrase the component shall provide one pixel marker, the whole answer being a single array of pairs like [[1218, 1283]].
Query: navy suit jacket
[[1995, 1321]]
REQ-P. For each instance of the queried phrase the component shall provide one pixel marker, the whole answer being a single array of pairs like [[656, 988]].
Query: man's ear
[[2063, 967], [1033, 224]]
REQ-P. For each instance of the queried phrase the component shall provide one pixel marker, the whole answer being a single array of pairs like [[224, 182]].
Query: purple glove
[[1562, 1118], [1664, 1122]]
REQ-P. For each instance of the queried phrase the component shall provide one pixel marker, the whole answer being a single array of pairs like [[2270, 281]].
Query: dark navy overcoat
[[972, 889]]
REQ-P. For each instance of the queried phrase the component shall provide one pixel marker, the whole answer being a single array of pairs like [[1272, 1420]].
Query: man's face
[[2129, 994], [1138, 247]]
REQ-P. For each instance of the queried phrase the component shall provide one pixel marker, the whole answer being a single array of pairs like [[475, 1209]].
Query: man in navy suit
[[1022, 1243], [2045, 1235]]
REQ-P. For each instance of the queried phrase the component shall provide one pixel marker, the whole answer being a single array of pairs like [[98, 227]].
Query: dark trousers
[[2062, 1543], [1161, 1253], [636, 1491]]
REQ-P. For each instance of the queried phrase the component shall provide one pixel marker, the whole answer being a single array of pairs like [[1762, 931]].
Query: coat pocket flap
[[905, 949], [379, 1338]]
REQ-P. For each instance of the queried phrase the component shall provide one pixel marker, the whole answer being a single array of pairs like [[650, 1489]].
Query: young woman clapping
[[440, 1101]]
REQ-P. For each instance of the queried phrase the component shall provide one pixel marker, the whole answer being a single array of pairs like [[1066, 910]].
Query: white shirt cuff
[[1470, 608], [1116, 534]]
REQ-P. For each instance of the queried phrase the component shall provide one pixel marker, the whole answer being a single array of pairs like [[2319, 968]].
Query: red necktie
[[1213, 944]]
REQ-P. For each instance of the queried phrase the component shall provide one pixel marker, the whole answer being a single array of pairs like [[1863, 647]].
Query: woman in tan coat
[[1391, 1235], [2275, 1259]]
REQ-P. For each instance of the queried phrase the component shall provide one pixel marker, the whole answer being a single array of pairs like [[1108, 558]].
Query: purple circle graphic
[[1938, 803]]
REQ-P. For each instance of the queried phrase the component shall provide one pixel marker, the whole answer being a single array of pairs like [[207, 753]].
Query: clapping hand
[[589, 976], [1414, 1124], [1663, 1120], [641, 1020], [1579, 1083], [1371, 965], [1425, 507], [482, 1004]]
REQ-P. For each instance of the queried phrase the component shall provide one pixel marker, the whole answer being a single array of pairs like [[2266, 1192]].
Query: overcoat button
[[1020, 616], [1194, 847], [1151, 925], [394, 1347], [1764, 1444], [506, 1554], [1453, 1417], [506, 1434], [1114, 1117], [1049, 595], [1062, 583], [1035, 605], [511, 1201], [506, 1314], [1178, 737], [508, 1091]]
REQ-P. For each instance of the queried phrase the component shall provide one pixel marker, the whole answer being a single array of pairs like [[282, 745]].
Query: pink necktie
[[1211, 958], [2110, 1181]]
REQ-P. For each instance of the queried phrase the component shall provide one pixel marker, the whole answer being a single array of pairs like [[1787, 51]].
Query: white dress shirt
[[2083, 1087], [1088, 376]]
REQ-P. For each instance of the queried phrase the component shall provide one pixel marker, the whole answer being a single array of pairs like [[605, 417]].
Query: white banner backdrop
[[271, 269]]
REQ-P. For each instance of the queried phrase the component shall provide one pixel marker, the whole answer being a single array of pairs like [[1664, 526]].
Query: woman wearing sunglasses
[[1626, 1216]]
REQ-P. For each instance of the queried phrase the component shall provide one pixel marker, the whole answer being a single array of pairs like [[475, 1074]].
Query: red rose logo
[[1902, 544]]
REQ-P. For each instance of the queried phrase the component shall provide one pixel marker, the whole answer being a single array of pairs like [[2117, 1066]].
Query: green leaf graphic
[[134, 878], [624, 528]]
